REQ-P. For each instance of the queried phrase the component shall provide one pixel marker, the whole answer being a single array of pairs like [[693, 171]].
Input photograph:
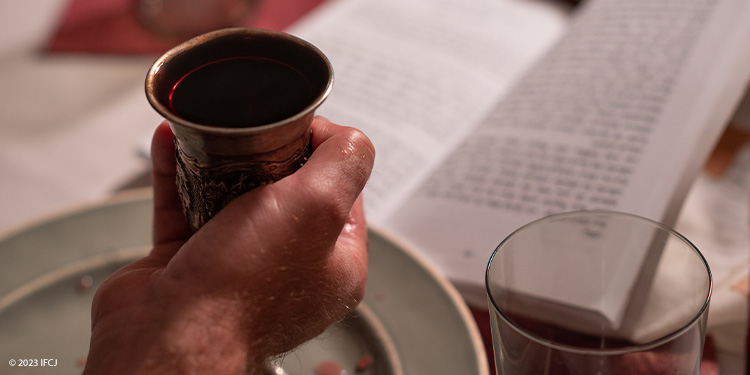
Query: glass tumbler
[[597, 293]]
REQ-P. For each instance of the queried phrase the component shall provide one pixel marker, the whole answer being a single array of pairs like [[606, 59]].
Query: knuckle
[[328, 204]]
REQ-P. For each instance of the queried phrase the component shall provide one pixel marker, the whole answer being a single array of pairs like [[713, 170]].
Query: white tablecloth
[[71, 124]]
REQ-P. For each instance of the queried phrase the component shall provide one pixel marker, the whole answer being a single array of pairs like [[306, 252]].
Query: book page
[[418, 75], [619, 115]]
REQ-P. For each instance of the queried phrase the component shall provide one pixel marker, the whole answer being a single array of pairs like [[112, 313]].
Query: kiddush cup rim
[[175, 120]]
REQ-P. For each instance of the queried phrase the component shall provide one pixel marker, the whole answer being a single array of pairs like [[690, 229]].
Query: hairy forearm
[[202, 338]]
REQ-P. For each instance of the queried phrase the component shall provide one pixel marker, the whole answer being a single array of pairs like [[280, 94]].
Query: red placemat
[[709, 365], [111, 26]]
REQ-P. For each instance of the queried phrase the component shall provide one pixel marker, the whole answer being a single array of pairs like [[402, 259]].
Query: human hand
[[273, 269]]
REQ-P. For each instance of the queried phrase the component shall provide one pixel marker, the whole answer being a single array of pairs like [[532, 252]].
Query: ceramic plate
[[411, 321]]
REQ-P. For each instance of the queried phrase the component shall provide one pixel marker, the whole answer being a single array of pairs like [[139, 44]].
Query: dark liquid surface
[[566, 336], [523, 356], [240, 92]]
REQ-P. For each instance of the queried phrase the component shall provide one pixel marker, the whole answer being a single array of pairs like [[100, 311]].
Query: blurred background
[[74, 121]]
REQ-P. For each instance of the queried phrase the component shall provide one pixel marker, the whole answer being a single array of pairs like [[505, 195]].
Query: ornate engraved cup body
[[216, 163]]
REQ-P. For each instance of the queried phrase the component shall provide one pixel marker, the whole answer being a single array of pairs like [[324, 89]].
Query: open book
[[488, 114]]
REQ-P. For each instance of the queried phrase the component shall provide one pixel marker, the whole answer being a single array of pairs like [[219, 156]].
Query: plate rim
[[137, 194], [75, 208], [463, 309]]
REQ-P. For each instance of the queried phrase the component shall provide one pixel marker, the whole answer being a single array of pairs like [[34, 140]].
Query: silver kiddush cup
[[248, 71]]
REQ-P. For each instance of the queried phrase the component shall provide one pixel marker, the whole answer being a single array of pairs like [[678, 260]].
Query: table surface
[[74, 127], [72, 124]]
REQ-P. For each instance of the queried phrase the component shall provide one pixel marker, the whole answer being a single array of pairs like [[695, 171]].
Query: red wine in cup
[[240, 92]]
